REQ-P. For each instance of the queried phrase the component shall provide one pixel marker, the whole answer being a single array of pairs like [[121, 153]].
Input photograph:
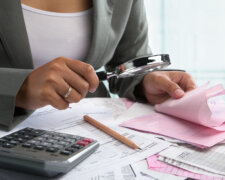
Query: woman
[[49, 52]]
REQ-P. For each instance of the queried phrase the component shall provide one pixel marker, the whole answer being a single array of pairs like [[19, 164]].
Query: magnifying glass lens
[[137, 66]]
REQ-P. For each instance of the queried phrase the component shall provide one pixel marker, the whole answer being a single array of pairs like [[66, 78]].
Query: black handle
[[102, 75]]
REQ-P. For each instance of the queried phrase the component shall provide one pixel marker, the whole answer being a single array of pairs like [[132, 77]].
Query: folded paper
[[197, 107], [196, 118]]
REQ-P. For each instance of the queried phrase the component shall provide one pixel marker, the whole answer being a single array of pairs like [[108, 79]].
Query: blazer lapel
[[102, 17], [13, 34]]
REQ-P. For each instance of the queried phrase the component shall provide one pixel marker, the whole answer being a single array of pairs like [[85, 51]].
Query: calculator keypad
[[41, 140], [44, 152]]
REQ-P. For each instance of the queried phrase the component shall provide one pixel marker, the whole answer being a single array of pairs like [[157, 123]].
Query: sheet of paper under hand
[[197, 107], [185, 130]]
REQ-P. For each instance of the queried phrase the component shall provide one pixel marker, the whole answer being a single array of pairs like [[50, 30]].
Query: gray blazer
[[119, 34]]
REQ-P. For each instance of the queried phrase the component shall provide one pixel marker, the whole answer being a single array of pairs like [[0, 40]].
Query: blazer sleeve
[[133, 43], [11, 80]]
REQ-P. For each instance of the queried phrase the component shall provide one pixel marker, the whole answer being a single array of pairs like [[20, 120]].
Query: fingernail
[[92, 90], [179, 93]]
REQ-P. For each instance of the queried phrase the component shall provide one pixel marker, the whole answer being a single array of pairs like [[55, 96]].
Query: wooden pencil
[[111, 132]]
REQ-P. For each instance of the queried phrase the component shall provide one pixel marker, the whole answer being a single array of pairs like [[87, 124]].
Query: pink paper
[[195, 118], [176, 128], [128, 103], [196, 107], [155, 164]]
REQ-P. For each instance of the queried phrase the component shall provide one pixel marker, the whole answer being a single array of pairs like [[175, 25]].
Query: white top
[[52, 35]]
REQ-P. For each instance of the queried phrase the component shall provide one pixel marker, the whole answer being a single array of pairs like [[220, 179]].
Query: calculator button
[[28, 129], [77, 146], [63, 143], [37, 133], [2, 141], [21, 140], [19, 136], [51, 149], [39, 138], [14, 142], [27, 145], [71, 149], [58, 138], [52, 141], [27, 137], [68, 136], [87, 140], [57, 146], [53, 134], [45, 144], [39, 147], [15, 135], [65, 152], [46, 136], [82, 143], [70, 140], [33, 142], [8, 138], [7, 145], [22, 132]]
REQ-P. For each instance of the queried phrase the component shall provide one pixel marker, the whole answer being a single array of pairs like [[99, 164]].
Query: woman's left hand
[[159, 86]]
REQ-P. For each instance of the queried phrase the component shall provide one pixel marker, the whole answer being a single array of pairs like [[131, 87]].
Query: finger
[[79, 84], [157, 99], [57, 101], [185, 80], [188, 83], [167, 85], [86, 71], [73, 97], [63, 89]]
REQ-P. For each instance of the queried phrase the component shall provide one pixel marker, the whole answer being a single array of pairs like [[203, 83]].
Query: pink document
[[194, 118], [197, 107], [128, 103], [155, 164]]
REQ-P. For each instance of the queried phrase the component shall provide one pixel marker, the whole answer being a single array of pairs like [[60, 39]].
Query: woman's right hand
[[48, 84]]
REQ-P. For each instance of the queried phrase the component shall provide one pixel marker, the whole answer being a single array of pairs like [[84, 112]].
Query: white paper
[[211, 161], [111, 152]]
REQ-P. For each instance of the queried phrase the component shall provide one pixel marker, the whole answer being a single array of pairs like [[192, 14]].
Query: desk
[[111, 112]]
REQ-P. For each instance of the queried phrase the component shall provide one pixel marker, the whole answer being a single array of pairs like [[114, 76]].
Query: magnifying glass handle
[[102, 75]]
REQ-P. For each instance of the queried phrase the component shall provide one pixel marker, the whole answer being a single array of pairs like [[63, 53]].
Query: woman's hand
[[159, 86], [48, 84]]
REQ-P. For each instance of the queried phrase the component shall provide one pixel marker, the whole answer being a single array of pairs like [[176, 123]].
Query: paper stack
[[197, 118], [191, 162]]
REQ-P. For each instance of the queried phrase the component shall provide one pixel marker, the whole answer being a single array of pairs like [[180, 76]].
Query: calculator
[[42, 152]]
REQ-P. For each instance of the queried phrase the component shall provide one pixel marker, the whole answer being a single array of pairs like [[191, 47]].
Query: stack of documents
[[197, 118], [191, 162], [112, 159]]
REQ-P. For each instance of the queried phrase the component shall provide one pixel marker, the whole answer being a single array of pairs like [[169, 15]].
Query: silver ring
[[68, 93]]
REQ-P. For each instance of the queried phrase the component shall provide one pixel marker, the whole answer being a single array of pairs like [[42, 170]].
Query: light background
[[193, 33]]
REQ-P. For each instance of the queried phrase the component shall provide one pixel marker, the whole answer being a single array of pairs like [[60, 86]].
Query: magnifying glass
[[137, 66]]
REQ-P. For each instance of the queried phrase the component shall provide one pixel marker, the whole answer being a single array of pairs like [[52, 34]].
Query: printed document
[[111, 152], [207, 161]]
